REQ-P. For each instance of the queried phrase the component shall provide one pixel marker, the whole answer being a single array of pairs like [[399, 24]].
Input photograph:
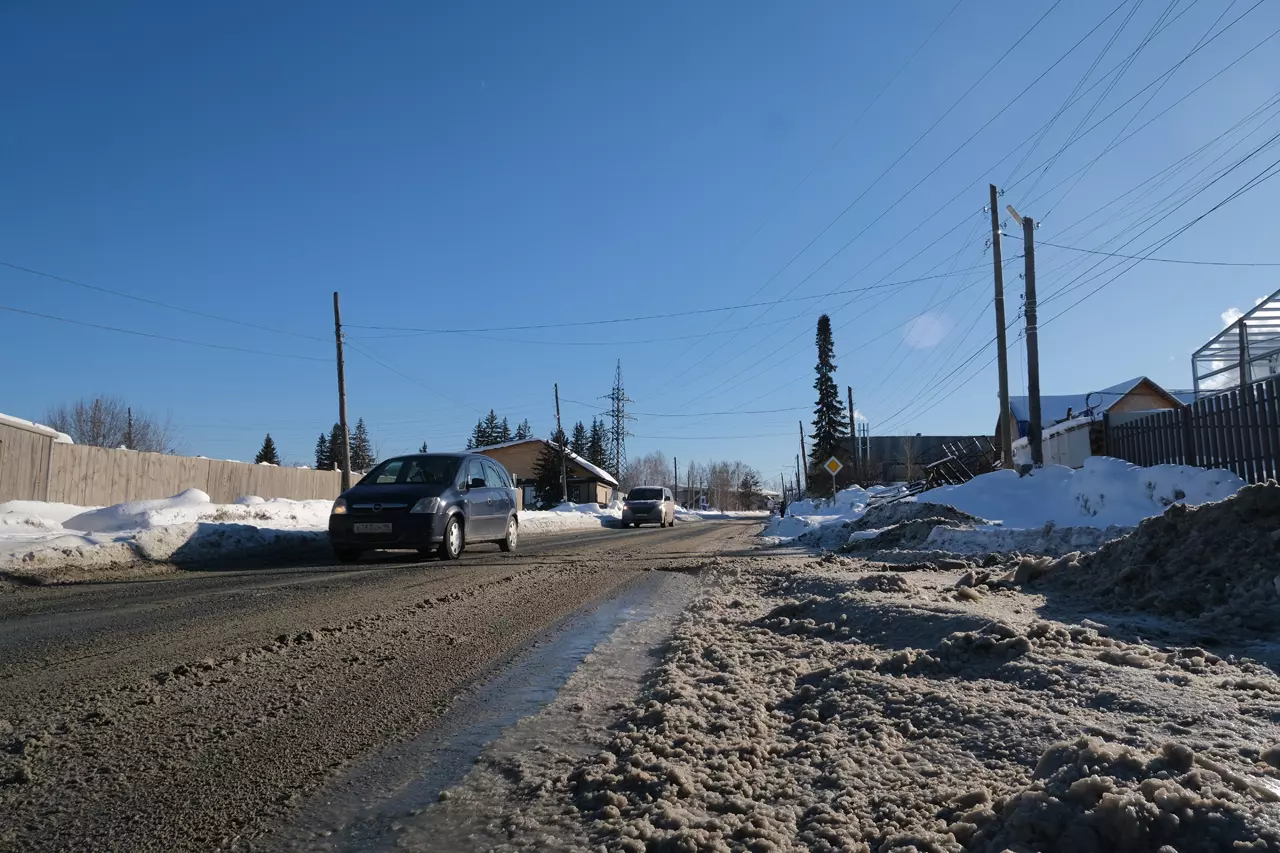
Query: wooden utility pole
[[804, 454], [675, 471], [854, 447], [1033, 344], [344, 460], [1002, 352], [564, 472], [799, 490]]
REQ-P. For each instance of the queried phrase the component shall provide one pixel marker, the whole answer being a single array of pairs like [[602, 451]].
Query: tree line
[[329, 449], [490, 431], [104, 421]]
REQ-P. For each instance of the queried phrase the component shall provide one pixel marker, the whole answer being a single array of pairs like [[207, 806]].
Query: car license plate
[[371, 528]]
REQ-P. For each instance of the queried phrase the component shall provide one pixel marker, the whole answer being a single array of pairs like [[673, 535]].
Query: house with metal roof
[[1135, 395]]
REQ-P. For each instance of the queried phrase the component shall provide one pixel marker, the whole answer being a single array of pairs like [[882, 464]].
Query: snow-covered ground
[[1052, 510], [569, 516]]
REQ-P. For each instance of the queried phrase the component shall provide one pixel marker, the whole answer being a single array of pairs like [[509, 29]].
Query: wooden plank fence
[[1238, 430]]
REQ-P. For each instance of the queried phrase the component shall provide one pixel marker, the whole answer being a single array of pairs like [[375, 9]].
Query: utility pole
[[345, 461], [803, 453], [128, 429], [1033, 343], [564, 473], [675, 472], [1246, 392], [854, 448], [799, 491], [1002, 352]]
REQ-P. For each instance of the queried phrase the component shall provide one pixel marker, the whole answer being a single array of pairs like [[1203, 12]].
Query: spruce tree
[[546, 473], [578, 444], [504, 432], [268, 453], [524, 431], [361, 450], [324, 459], [749, 489], [597, 450], [423, 448], [477, 436], [490, 430], [829, 424], [335, 447]]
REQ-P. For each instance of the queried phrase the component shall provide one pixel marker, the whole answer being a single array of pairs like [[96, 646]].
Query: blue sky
[[490, 165]]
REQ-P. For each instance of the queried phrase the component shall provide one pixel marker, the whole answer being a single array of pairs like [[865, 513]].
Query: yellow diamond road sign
[[833, 465]]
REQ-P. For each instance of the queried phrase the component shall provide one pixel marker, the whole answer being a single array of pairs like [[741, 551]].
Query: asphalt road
[[200, 710]]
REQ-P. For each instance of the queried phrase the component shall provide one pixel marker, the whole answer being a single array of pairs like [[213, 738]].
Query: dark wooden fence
[[1238, 430]]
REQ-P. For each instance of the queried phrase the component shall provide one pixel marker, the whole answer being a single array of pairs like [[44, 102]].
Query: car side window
[[492, 475], [477, 472]]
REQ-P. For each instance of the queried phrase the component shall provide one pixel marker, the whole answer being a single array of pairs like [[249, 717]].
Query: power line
[[1158, 260], [689, 414], [158, 303], [667, 316], [158, 337], [406, 376]]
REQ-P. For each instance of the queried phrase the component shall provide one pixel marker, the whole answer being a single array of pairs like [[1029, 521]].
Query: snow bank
[[570, 516], [1105, 492], [817, 518], [46, 541]]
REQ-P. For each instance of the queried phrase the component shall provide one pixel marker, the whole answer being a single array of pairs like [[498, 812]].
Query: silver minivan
[[649, 505]]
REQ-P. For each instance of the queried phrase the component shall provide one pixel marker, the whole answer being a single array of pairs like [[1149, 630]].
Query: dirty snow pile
[[1217, 564], [570, 516], [49, 540], [805, 709], [1054, 510], [818, 523]]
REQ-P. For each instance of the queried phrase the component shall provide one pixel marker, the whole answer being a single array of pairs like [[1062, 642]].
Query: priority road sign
[[833, 465]]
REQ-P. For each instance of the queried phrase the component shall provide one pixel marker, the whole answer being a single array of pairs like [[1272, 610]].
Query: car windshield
[[645, 495], [414, 470]]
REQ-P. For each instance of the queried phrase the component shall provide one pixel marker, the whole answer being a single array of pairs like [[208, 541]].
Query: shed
[[588, 483], [26, 452], [1135, 395]]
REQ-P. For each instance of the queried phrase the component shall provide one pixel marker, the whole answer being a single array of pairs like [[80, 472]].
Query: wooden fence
[[1238, 430], [35, 467]]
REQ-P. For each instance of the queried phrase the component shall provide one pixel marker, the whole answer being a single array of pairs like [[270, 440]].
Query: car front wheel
[[451, 544], [513, 534]]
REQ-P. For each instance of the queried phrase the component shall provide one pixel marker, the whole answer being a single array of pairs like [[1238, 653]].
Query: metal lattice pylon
[[618, 401]]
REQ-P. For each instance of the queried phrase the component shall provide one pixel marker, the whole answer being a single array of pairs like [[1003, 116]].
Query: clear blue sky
[[487, 165]]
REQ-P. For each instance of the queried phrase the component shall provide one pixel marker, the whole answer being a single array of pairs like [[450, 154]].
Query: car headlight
[[339, 507], [427, 505]]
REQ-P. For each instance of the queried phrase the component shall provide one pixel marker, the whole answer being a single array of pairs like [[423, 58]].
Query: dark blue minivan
[[432, 503]]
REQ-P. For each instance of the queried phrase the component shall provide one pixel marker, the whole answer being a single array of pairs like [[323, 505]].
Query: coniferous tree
[[477, 436], [547, 471], [361, 450], [490, 430], [423, 448], [749, 489], [324, 459], [578, 443], [335, 447], [504, 432], [597, 450], [829, 424], [268, 453], [524, 431]]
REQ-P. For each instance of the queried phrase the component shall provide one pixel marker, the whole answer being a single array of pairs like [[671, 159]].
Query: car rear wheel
[[452, 543], [347, 555], [513, 535]]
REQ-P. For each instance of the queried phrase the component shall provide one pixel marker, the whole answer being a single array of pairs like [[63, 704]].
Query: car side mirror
[[476, 483]]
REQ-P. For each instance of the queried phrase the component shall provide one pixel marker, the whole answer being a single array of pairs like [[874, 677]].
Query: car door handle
[[490, 501]]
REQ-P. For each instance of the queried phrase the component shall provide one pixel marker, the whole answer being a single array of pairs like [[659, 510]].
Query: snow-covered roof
[[595, 470], [1054, 407], [31, 426]]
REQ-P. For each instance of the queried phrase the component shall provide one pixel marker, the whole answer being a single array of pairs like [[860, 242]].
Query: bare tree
[[911, 457], [104, 421], [650, 470]]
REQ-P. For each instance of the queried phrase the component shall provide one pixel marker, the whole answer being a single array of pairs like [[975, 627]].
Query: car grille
[[378, 512]]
